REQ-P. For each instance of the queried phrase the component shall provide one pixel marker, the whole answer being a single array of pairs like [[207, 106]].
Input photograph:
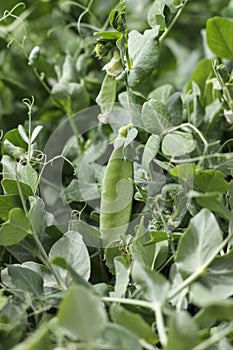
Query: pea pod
[[117, 196]]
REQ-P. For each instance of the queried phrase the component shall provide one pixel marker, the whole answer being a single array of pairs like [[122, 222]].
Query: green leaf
[[7, 203], [157, 236], [154, 285], [3, 300], [219, 276], [122, 277], [40, 339], [29, 176], [162, 93], [144, 51], [156, 16], [68, 73], [213, 201], [199, 244], [178, 143], [13, 137], [72, 97], [184, 172], [82, 314], [202, 77], [210, 181], [90, 234], [108, 36], [213, 306], [26, 279], [150, 151], [175, 108], [220, 37], [37, 215], [11, 168], [71, 248], [182, 332], [138, 248], [11, 186], [15, 229], [155, 116], [77, 279], [134, 322], [120, 338]]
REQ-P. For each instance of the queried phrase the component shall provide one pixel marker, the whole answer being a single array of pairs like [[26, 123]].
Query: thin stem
[[173, 22], [195, 275], [207, 156], [149, 305], [146, 345], [142, 303], [191, 126], [206, 344], [44, 258], [160, 325], [41, 80]]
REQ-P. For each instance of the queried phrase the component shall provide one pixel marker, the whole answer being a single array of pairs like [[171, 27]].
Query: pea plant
[[116, 196]]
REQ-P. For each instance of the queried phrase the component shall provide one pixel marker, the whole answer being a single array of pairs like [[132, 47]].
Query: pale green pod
[[116, 197]]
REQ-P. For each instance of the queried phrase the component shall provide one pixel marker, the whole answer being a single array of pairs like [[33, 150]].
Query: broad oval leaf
[[220, 37], [144, 51], [15, 229], [74, 251], [182, 332], [134, 322], [154, 285], [82, 314], [178, 143], [155, 116], [200, 243]]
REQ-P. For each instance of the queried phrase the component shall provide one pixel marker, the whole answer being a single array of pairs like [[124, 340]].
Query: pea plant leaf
[[183, 332], [154, 285], [79, 309], [134, 322], [73, 250], [15, 229], [156, 16], [219, 275], [144, 51], [26, 279], [155, 117], [220, 37], [178, 143], [200, 243]]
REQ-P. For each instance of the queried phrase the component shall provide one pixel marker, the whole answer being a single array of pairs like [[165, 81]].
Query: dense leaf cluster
[[74, 75]]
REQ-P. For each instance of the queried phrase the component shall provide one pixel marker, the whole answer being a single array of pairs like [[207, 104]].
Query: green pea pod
[[116, 197]]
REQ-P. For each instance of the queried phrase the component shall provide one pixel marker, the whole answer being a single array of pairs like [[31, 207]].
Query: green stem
[[160, 325], [173, 22], [214, 338], [45, 86], [149, 305], [42, 253], [207, 156], [142, 303], [195, 275], [44, 258]]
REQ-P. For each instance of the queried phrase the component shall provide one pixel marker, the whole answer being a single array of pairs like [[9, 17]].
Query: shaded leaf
[[220, 37], [15, 229], [134, 322], [182, 332], [73, 250], [82, 314], [144, 51], [199, 244]]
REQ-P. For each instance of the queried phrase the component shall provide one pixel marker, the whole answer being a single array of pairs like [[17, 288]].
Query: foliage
[[116, 202]]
